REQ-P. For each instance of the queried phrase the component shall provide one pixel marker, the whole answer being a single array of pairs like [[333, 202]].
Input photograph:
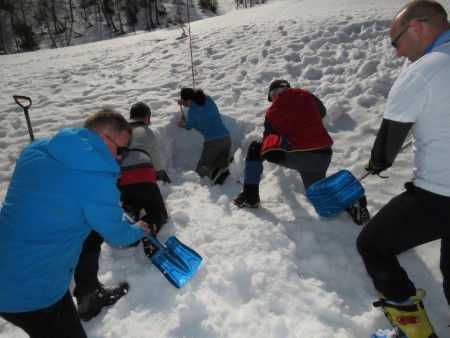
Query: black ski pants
[[86, 271], [145, 196], [59, 320], [410, 219]]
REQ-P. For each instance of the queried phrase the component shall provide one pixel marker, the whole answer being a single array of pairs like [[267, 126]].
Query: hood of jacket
[[82, 149]]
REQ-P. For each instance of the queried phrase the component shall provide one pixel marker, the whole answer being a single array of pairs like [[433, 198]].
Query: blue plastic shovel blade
[[333, 194], [175, 260], [189, 257]]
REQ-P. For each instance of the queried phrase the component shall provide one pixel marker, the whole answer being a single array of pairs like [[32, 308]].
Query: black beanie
[[277, 84], [140, 110]]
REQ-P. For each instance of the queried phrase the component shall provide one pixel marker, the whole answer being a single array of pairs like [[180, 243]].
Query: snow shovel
[[25, 103], [333, 194], [175, 260]]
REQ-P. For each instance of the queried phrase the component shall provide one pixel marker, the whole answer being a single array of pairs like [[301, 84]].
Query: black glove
[[370, 168], [162, 176]]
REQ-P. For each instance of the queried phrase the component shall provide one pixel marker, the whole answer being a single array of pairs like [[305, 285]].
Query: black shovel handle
[[404, 146], [25, 103]]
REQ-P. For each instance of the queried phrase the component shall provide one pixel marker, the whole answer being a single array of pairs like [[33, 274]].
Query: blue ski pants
[[311, 165]]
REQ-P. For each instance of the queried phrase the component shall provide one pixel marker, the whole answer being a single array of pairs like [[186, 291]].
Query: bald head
[[432, 10], [416, 26]]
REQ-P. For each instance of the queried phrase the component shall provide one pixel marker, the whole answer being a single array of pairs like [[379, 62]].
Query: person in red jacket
[[294, 137]]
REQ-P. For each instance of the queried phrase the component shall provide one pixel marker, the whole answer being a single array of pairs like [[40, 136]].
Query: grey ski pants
[[214, 154]]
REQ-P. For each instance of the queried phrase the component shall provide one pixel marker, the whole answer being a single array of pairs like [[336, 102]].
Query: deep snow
[[279, 271]]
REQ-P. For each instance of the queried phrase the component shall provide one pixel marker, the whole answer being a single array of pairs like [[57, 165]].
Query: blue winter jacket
[[206, 119], [62, 189]]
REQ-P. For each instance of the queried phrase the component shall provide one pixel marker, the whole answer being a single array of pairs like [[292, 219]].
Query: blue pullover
[[62, 189], [206, 119]]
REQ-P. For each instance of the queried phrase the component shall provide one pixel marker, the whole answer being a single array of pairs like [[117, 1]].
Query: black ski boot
[[92, 303], [358, 211]]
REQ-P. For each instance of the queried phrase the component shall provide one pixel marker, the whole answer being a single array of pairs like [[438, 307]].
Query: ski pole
[[25, 103]]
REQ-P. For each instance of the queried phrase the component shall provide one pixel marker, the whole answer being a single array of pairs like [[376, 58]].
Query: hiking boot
[[220, 174], [358, 211], [409, 317], [241, 201], [92, 303], [249, 197], [149, 249]]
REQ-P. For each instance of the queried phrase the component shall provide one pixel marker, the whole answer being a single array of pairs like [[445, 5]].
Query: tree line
[[24, 24]]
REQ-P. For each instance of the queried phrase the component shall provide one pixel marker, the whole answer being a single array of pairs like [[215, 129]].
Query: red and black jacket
[[294, 123]]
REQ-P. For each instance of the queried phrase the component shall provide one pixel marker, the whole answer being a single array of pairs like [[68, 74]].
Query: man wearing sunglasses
[[62, 200], [419, 102]]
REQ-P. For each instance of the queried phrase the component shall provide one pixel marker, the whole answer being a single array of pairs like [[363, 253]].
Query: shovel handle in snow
[[25, 103], [181, 110]]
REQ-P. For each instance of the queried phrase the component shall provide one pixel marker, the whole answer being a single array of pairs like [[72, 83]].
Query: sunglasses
[[394, 43], [120, 151]]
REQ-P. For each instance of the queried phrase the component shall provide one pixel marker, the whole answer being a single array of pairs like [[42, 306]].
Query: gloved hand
[[180, 124], [372, 169], [162, 176]]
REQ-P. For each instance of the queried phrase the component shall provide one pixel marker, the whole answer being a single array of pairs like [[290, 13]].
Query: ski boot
[[358, 211], [90, 304], [408, 318], [249, 197]]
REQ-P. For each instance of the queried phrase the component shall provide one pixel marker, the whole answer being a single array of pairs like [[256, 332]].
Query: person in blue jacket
[[61, 190], [204, 116]]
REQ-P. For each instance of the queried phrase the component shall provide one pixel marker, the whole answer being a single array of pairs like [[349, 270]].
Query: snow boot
[[90, 305], [219, 175], [249, 197], [408, 318], [358, 211]]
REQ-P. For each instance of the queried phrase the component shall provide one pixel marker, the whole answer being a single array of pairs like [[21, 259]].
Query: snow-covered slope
[[279, 271]]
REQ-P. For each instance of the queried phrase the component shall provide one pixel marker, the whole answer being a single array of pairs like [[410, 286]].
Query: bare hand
[[144, 225]]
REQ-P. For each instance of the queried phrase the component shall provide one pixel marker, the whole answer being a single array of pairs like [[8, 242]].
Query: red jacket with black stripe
[[295, 117]]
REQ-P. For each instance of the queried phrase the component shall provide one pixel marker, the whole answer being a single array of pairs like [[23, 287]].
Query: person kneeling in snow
[[139, 172], [62, 191], [203, 115], [294, 137]]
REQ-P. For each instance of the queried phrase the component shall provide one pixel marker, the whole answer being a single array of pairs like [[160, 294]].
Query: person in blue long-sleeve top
[[204, 116]]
